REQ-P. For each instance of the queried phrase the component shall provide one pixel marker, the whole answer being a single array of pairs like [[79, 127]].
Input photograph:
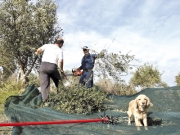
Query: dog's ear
[[136, 104], [149, 102]]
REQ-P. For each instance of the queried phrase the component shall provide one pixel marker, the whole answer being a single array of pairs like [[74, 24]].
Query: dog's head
[[143, 102]]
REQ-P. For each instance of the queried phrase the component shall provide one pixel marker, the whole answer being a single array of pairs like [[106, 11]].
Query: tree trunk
[[21, 76]]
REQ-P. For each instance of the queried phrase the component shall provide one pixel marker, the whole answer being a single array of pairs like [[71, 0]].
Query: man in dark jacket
[[87, 65]]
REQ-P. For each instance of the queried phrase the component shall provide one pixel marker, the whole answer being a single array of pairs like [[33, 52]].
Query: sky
[[149, 29]]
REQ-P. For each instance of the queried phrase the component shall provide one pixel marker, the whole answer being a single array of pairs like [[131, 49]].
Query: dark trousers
[[47, 71], [86, 79]]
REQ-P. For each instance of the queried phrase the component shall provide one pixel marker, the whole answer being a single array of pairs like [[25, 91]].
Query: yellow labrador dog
[[138, 108]]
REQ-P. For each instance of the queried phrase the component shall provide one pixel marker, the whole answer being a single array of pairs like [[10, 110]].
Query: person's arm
[[38, 51], [80, 68], [61, 61], [61, 65]]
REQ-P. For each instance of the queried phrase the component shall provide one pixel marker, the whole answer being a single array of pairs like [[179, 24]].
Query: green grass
[[5, 94], [8, 89], [1, 108]]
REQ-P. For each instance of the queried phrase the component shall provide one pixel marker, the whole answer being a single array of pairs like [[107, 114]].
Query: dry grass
[[5, 130]]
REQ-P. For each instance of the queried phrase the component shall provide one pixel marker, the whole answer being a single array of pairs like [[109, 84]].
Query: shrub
[[77, 99]]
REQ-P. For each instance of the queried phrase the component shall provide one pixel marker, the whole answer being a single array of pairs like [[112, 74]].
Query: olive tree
[[7, 63], [24, 26], [114, 65], [177, 79], [147, 76]]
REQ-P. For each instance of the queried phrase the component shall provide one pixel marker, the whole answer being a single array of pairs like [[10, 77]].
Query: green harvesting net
[[163, 116]]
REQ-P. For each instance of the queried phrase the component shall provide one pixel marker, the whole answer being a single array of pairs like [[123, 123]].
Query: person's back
[[52, 53]]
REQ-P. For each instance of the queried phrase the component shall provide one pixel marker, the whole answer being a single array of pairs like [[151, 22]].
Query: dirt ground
[[5, 130]]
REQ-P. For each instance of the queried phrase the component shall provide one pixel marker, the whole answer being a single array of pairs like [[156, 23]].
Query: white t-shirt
[[52, 53], [1, 68]]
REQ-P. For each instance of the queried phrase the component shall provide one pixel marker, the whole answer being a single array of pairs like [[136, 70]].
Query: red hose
[[53, 122]]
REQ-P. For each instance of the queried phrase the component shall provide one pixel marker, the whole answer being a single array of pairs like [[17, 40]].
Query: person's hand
[[61, 71]]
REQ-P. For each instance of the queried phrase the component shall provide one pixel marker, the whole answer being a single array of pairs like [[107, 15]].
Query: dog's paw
[[146, 128], [138, 128]]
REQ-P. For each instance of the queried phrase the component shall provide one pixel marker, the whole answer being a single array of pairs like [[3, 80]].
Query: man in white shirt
[[1, 73], [51, 59]]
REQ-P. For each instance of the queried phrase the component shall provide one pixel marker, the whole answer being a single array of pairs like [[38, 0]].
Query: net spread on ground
[[163, 116]]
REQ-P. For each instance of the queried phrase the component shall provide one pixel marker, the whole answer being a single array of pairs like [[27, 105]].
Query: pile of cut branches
[[77, 99]]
